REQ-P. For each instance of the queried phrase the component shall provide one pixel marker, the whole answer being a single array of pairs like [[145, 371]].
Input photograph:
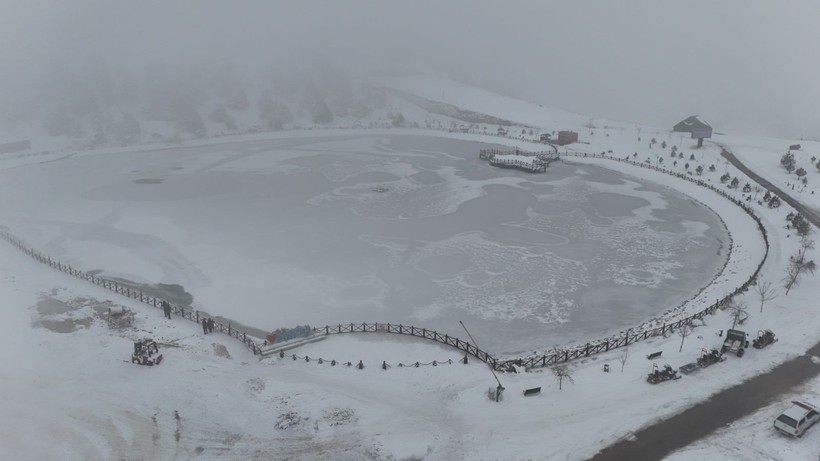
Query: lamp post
[[499, 389]]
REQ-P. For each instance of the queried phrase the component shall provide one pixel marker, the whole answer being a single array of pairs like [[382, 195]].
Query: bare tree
[[561, 373], [795, 268], [622, 357], [806, 243], [684, 330], [765, 291], [798, 264], [738, 311]]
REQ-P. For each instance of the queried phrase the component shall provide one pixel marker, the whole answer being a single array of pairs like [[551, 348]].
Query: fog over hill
[[98, 67]]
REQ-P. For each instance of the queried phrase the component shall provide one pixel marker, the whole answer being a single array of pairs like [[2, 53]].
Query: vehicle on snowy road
[[797, 419]]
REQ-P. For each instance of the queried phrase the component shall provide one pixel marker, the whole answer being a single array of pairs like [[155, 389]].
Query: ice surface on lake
[[404, 229]]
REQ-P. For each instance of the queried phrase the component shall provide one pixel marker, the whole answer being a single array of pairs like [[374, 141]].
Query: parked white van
[[797, 418]]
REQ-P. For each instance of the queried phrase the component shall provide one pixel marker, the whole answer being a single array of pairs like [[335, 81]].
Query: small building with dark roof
[[696, 126], [566, 137]]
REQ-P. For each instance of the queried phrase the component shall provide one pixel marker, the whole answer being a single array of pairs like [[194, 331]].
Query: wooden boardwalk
[[536, 162]]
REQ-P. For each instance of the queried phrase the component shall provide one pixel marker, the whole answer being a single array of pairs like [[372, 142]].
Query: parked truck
[[735, 343]]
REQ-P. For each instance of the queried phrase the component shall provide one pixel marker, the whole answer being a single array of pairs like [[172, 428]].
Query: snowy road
[[810, 214], [658, 441]]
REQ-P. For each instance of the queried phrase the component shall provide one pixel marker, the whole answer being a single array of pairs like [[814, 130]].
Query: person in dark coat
[[204, 325], [166, 307], [210, 325]]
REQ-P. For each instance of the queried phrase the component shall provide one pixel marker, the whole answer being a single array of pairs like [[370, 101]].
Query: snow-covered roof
[[693, 122], [798, 410]]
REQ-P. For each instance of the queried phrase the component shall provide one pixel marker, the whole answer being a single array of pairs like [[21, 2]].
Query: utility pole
[[500, 388]]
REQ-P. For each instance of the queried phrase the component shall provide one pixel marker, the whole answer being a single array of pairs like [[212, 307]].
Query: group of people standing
[[207, 323]]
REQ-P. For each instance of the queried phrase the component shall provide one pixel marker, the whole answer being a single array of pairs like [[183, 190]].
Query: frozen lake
[[406, 229]]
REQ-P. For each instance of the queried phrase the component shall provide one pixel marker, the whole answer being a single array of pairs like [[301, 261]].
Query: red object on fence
[[271, 338]]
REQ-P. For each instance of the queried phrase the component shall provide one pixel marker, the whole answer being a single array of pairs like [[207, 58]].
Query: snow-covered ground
[[763, 156], [68, 395], [754, 437]]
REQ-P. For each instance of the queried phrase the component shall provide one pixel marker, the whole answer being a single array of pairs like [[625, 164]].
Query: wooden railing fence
[[550, 358], [180, 311], [640, 334], [409, 330]]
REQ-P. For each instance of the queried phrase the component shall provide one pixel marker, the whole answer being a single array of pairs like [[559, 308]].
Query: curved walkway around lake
[[408, 330], [631, 336], [253, 343], [180, 311], [661, 439], [646, 330]]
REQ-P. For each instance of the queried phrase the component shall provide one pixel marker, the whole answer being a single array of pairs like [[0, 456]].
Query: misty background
[[745, 66]]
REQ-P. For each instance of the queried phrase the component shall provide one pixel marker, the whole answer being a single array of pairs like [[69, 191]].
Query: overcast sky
[[743, 65]]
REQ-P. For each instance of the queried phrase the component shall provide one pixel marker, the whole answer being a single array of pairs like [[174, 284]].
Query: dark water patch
[[594, 219], [242, 328], [64, 326], [358, 292], [476, 278], [554, 207], [671, 218], [191, 186], [665, 226], [175, 294], [594, 174], [516, 235], [615, 205], [51, 306], [445, 265], [371, 177], [538, 189], [581, 250], [319, 160], [428, 178]]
